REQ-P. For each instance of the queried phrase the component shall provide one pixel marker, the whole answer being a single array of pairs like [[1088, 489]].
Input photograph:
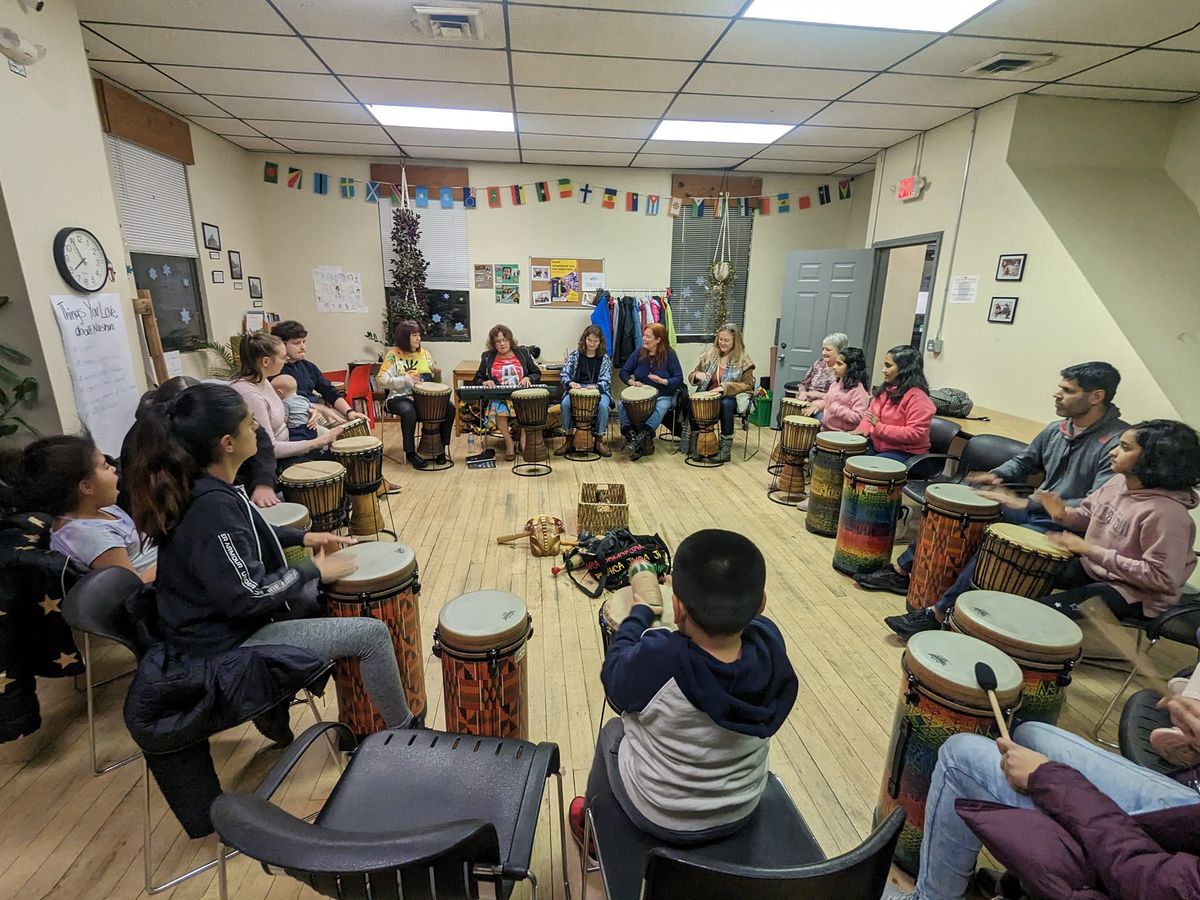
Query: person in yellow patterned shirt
[[404, 365]]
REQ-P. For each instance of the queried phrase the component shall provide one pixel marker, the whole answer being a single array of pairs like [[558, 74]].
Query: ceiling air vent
[[1003, 64], [448, 23]]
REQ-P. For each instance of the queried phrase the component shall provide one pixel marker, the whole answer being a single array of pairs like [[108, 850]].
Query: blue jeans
[[893, 454], [969, 766], [661, 406], [601, 413]]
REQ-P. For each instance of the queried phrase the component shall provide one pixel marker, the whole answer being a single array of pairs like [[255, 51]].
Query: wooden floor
[[65, 833]]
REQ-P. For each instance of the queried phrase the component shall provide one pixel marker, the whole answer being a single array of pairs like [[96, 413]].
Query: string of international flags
[[565, 189]]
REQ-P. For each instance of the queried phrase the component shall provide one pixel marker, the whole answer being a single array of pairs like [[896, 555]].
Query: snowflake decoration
[[187, 282], [686, 293], [166, 270], [436, 318], [185, 315], [445, 296], [153, 273], [700, 282], [458, 326]]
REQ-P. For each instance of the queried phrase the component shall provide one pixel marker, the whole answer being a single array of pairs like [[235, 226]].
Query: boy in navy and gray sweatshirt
[[687, 759]]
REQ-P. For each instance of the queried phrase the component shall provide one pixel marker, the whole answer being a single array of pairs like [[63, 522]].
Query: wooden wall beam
[[126, 116], [692, 185], [432, 177]]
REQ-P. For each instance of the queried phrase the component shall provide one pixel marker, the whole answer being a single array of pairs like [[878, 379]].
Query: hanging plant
[[721, 275], [405, 299]]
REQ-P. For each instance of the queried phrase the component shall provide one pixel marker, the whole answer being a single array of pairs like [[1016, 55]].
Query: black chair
[[942, 433], [1138, 719], [416, 814], [774, 857], [981, 454]]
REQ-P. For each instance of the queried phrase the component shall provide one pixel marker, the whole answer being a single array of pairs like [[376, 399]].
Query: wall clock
[[81, 259]]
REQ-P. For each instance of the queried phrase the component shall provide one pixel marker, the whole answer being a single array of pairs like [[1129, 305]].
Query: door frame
[[879, 279]]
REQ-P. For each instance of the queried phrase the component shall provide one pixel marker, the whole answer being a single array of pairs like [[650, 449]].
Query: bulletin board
[[560, 282]]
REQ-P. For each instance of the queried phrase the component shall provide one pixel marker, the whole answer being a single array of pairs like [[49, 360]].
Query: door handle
[[781, 357]]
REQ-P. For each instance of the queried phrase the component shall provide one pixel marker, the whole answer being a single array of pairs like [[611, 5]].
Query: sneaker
[[416, 461], [913, 623], [575, 818], [892, 892], [601, 447], [387, 489], [885, 579]]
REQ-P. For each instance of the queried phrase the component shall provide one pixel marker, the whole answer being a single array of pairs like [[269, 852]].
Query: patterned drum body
[[531, 406], [481, 639], [432, 402], [585, 402], [795, 441], [871, 492], [939, 697], [363, 459], [289, 515], [1017, 560], [386, 586], [705, 408], [951, 531], [320, 488], [1041, 640], [788, 406], [833, 448], [639, 403], [608, 626], [355, 428]]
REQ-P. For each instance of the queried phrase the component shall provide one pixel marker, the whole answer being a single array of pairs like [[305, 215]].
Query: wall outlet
[[933, 345]]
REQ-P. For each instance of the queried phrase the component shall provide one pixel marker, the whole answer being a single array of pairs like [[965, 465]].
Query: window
[[443, 243], [171, 281], [692, 245]]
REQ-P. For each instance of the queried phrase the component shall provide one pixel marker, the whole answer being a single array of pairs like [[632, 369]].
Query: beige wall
[[906, 265]]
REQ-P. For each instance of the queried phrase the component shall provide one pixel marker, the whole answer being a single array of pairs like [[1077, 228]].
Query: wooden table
[[466, 370], [1000, 423]]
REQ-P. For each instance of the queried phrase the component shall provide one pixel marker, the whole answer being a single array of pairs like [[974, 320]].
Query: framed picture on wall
[[218, 276], [212, 236], [1011, 267], [1002, 310], [255, 287], [235, 265]]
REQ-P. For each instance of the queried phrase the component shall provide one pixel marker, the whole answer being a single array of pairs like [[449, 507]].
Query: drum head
[[357, 445], [1026, 538], [286, 515], [944, 663], [533, 393], [483, 620], [638, 392], [625, 596], [381, 565], [432, 388], [958, 498], [707, 395], [876, 468], [1017, 625], [841, 441], [584, 392], [312, 472]]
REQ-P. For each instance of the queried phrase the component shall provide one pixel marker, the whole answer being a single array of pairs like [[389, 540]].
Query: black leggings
[[406, 409], [728, 411], [1080, 588]]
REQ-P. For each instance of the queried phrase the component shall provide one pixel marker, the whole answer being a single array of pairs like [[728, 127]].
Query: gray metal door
[[824, 291]]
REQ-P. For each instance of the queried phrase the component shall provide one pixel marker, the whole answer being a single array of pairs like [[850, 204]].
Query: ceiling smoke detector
[[448, 23], [1007, 63]]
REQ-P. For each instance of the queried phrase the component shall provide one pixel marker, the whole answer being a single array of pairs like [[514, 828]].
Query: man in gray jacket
[[1072, 453]]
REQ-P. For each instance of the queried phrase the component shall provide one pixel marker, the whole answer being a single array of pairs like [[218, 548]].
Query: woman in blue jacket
[[656, 366]]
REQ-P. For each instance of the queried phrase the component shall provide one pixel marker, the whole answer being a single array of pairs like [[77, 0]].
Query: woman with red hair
[[656, 366]]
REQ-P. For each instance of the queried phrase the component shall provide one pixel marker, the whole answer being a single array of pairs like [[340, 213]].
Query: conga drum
[[609, 625], [363, 459], [531, 406], [289, 515], [385, 586], [831, 450], [939, 697], [952, 527], [355, 428], [585, 403], [432, 402], [1017, 560], [319, 486], [796, 440], [1041, 640], [705, 408], [871, 497], [481, 640], [788, 406]]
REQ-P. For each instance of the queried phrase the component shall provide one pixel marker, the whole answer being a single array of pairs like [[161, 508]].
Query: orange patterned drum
[[951, 531]]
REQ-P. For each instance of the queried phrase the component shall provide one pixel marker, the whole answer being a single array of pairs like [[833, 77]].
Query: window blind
[[152, 194], [693, 243], [443, 243]]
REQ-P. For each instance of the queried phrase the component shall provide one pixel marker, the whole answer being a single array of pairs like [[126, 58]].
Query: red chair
[[358, 387]]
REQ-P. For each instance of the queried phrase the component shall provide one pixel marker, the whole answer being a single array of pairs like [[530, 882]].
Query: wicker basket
[[602, 507]]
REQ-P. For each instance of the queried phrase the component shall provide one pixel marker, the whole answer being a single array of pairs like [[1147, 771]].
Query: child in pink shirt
[[897, 420], [842, 406]]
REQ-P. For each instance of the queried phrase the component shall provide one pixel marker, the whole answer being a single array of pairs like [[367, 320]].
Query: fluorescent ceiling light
[[926, 15], [719, 132], [428, 117]]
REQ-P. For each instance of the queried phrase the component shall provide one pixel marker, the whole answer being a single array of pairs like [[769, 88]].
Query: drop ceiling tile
[[185, 104], [875, 138], [444, 137], [1101, 92], [586, 31], [256, 143], [310, 131], [578, 142], [719, 108], [576, 158], [817, 154], [411, 61], [138, 76], [97, 48], [822, 46], [885, 115], [467, 153], [667, 161], [1175, 70], [381, 20], [297, 110], [562, 70], [930, 89], [952, 54], [595, 103], [213, 48], [790, 167], [694, 7], [340, 148], [1088, 21], [250, 83], [600, 126], [409, 92], [857, 169], [234, 15], [225, 127], [1189, 40], [773, 81], [702, 148]]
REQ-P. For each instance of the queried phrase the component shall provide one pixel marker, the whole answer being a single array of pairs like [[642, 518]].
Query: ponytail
[[252, 349], [44, 476]]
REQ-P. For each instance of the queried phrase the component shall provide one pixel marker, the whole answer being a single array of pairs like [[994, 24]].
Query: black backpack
[[955, 403]]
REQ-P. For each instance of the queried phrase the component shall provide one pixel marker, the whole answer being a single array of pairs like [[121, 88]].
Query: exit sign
[[910, 188]]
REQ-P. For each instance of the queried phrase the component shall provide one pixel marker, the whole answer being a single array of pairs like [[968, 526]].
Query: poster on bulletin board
[[564, 283]]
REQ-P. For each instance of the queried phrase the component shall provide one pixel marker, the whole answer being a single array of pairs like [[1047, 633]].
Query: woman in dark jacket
[[504, 364], [656, 366]]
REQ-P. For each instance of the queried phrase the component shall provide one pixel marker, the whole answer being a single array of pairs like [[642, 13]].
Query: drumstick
[[509, 538], [986, 677]]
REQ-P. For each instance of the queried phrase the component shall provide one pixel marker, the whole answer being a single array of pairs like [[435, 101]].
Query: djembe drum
[[363, 459], [319, 486], [871, 492], [939, 697], [355, 428], [1041, 640], [951, 531], [788, 406], [531, 406], [621, 599], [831, 450], [481, 640], [289, 515], [1017, 560], [796, 440], [585, 405], [432, 402], [386, 586], [705, 408]]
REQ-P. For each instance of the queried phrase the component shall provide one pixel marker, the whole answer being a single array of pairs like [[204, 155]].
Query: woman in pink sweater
[[897, 420], [842, 406]]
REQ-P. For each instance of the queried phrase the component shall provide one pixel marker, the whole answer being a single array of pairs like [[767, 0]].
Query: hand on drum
[[334, 567], [982, 479], [327, 541], [1052, 503], [1004, 497], [355, 414], [1018, 763], [657, 379], [263, 496], [1185, 715], [1070, 542], [574, 385], [324, 440]]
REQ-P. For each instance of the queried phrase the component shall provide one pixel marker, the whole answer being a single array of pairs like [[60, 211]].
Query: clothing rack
[[640, 293]]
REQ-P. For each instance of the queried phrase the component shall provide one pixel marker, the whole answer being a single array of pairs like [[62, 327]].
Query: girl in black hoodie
[[223, 580]]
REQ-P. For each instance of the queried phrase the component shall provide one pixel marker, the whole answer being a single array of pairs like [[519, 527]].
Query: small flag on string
[[542, 189], [823, 194], [764, 206], [631, 202], [271, 172], [844, 189], [803, 201], [295, 178], [446, 197], [746, 206], [493, 195], [320, 183], [676, 208], [470, 200], [783, 203], [697, 208], [585, 193], [347, 187], [421, 197], [518, 194], [397, 195], [372, 191], [564, 188], [652, 204], [610, 198]]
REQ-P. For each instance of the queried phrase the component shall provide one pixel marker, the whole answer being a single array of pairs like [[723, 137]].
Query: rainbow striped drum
[[829, 457], [867, 521], [939, 698]]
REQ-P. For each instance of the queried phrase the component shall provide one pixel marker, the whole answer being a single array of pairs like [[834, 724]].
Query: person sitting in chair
[[587, 367], [405, 365], [728, 368], [656, 366]]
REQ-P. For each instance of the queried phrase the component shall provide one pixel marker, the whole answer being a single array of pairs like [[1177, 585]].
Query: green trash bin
[[762, 412]]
